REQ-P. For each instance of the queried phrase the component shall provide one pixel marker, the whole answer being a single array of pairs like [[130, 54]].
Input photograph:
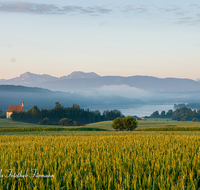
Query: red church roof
[[15, 108]]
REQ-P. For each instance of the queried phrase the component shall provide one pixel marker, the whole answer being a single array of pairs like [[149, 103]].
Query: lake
[[142, 111], [146, 110]]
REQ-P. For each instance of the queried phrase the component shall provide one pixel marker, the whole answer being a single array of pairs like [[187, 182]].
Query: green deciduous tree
[[169, 114], [184, 118], [125, 124], [118, 124], [155, 114], [162, 114]]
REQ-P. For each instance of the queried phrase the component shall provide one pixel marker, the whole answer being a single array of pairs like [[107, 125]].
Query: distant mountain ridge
[[198, 80], [33, 79], [80, 82], [80, 74]]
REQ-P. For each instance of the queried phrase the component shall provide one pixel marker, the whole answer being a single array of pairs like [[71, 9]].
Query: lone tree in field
[[125, 124]]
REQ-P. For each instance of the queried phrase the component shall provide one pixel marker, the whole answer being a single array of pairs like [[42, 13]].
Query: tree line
[[180, 114], [163, 114], [74, 113]]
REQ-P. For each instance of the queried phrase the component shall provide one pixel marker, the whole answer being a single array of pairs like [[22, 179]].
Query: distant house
[[17, 108], [142, 118]]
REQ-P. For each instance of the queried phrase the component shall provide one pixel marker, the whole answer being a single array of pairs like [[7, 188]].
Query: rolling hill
[[13, 95]]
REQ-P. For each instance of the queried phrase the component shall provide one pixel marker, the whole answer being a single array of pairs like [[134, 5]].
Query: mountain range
[[91, 82], [30, 79]]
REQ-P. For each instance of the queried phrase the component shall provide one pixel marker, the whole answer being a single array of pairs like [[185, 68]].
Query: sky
[[108, 37]]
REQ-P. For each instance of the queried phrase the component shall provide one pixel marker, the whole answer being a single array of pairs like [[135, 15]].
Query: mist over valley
[[89, 90]]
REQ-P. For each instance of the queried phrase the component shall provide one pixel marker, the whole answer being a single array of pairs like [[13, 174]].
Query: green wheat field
[[105, 159]]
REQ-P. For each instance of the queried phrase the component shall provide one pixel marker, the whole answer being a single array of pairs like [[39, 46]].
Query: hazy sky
[[148, 37]]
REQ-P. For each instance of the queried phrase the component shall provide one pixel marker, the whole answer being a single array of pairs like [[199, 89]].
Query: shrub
[[195, 119], [68, 122], [45, 121], [65, 122], [2, 116]]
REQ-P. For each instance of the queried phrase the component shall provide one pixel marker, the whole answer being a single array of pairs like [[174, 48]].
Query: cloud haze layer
[[122, 90], [36, 8], [183, 15]]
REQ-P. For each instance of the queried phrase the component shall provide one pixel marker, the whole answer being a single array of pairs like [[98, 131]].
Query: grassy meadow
[[100, 159], [7, 123]]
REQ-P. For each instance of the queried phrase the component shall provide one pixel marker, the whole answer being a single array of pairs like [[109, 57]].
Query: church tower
[[23, 103]]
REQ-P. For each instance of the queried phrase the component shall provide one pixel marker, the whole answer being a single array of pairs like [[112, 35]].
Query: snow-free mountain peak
[[86, 82], [80, 74], [31, 79]]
